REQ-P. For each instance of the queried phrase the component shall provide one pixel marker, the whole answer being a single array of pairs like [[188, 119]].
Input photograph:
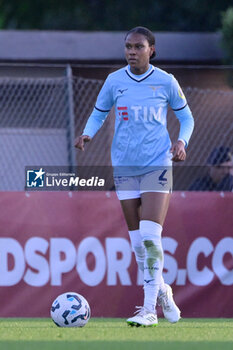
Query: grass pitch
[[111, 334]]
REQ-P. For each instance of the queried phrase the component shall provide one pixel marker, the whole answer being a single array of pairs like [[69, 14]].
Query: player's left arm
[[178, 151], [184, 115]]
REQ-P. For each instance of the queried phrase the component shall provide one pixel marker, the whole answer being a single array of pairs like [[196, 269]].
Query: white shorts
[[129, 187]]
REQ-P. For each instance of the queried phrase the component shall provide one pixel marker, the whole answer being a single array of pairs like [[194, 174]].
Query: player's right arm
[[102, 107], [80, 141]]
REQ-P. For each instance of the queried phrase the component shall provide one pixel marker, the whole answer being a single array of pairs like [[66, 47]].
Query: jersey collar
[[141, 77]]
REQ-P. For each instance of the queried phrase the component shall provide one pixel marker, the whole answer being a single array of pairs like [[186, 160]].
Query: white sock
[[138, 247], [153, 263], [162, 288]]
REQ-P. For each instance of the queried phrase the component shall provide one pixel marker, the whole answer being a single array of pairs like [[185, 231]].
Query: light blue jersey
[[141, 140]]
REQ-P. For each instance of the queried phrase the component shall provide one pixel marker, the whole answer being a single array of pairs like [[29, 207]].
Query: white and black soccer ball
[[70, 310]]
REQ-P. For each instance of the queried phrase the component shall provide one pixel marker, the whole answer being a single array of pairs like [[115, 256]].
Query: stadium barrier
[[53, 242], [39, 118]]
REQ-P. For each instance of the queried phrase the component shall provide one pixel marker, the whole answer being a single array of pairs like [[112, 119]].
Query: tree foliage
[[227, 34], [158, 15]]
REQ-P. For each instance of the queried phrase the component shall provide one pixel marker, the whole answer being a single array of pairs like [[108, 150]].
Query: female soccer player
[[142, 157]]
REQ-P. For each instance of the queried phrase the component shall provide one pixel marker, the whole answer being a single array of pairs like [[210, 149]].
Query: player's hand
[[178, 151], [80, 141]]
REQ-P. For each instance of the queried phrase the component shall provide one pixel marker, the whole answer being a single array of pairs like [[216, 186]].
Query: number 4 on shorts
[[161, 177]]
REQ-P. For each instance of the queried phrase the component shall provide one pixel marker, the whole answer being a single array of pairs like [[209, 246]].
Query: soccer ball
[[70, 310]]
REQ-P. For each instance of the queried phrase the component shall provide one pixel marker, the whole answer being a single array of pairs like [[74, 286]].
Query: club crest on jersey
[[154, 88]]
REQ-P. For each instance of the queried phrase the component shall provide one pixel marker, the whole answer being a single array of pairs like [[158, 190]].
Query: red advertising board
[[53, 242]]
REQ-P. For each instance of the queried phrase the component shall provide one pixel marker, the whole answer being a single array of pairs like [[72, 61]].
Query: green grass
[[111, 334]]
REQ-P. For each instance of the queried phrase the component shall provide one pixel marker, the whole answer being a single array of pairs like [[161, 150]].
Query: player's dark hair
[[147, 34]]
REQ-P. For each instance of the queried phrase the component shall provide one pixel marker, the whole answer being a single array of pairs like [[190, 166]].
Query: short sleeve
[[104, 100], [177, 99]]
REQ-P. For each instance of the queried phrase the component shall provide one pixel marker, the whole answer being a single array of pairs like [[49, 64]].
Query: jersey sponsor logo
[[123, 113], [141, 113], [147, 113]]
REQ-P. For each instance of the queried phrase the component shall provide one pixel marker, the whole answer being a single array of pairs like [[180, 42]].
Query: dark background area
[[158, 15]]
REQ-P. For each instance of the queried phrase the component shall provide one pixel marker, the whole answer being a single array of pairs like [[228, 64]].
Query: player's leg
[[131, 213], [127, 190], [153, 212], [130, 209], [154, 206]]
